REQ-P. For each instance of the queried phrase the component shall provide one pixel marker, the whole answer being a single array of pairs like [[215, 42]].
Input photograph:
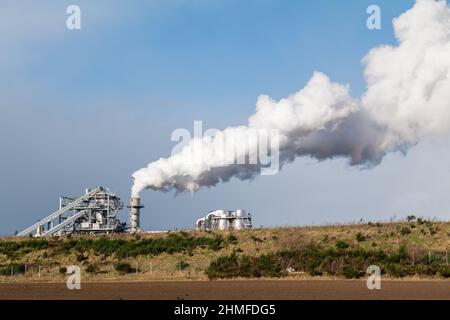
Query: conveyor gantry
[[93, 212]]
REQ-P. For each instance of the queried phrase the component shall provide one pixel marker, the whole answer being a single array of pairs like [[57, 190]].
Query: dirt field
[[224, 290]]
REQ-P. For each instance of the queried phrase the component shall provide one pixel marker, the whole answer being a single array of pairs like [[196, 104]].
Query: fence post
[[429, 257], [413, 259], [446, 257], [39, 274], [12, 270]]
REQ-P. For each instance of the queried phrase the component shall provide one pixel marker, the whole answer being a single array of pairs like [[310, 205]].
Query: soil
[[229, 290]]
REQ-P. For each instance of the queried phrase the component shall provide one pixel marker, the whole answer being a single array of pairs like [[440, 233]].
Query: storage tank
[[225, 220], [237, 224], [240, 213]]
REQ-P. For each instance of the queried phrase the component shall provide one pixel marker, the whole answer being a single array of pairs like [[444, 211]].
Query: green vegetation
[[171, 244], [232, 239], [405, 230], [13, 249], [120, 248], [445, 271], [341, 244], [245, 266], [317, 260], [182, 265], [256, 239], [91, 268], [12, 269], [124, 268], [360, 237], [413, 247]]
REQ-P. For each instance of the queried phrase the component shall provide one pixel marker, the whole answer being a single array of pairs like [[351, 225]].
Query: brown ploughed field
[[229, 290]]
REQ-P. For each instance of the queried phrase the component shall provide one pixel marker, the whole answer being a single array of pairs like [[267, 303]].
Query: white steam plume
[[407, 97]]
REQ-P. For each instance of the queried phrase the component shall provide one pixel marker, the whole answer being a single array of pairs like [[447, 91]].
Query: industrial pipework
[[95, 212], [225, 220]]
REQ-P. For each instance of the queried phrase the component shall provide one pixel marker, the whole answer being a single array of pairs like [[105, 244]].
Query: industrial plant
[[96, 212], [225, 220]]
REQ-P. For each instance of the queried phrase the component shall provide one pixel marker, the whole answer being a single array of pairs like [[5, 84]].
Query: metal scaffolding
[[93, 213]]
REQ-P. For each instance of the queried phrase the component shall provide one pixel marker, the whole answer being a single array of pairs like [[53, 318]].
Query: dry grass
[[434, 236]]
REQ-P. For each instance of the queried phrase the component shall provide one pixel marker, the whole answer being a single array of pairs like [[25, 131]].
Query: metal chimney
[[135, 212]]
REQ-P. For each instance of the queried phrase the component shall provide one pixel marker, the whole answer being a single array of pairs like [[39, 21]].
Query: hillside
[[415, 248]]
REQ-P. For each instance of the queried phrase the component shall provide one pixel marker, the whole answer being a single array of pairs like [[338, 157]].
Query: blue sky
[[85, 108]]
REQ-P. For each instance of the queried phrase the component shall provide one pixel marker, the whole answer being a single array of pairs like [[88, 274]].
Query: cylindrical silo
[[223, 220], [238, 224]]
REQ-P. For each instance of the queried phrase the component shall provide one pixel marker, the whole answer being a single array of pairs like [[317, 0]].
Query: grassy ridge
[[410, 247], [120, 248]]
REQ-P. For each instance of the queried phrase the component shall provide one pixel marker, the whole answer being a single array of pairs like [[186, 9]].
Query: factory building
[[95, 212], [225, 220]]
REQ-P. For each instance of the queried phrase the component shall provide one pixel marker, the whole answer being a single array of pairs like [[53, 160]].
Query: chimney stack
[[135, 212]]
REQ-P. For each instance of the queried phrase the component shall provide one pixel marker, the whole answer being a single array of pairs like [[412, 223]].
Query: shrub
[[81, 257], [445, 271], [120, 248], [340, 244], [425, 269], [13, 249], [245, 266], [405, 230], [12, 269], [256, 239], [232, 239], [269, 266], [182, 265], [351, 272], [433, 230], [223, 267], [360, 237], [399, 270], [173, 243], [123, 268], [317, 260], [401, 256], [63, 270], [91, 268]]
